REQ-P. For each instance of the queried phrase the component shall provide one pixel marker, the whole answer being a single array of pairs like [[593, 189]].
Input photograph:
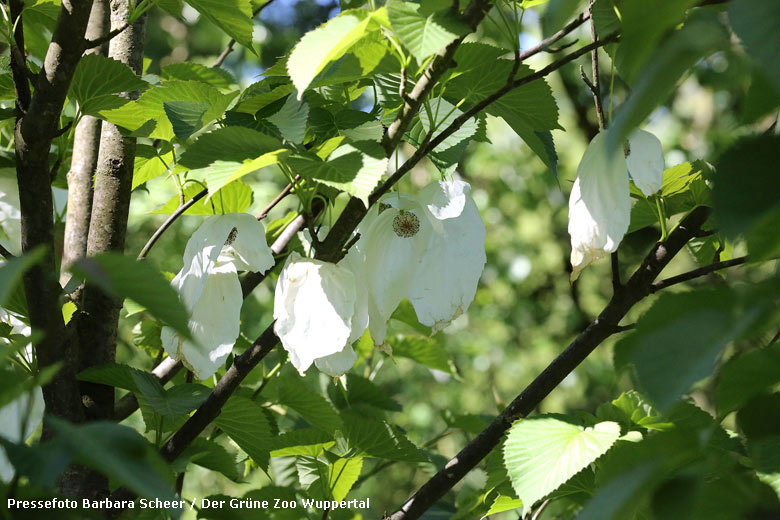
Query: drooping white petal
[[313, 307], [599, 205], [338, 364], [645, 161], [10, 214], [14, 428], [214, 324], [445, 200], [247, 246], [391, 261], [446, 280]]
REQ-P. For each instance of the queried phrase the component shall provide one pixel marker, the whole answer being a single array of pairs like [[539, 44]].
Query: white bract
[[645, 161], [208, 286], [10, 214], [18, 420], [599, 205], [319, 314], [429, 248]]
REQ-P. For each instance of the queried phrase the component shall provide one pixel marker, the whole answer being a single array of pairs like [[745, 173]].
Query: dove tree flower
[[208, 286], [429, 248], [18, 420], [600, 201], [10, 214], [319, 313]]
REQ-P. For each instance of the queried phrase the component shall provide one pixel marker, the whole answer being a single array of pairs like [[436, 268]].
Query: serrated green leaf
[[149, 164], [174, 402], [326, 480], [119, 376], [424, 33], [222, 173], [232, 143], [504, 503], [355, 168], [189, 71], [232, 16], [426, 351], [119, 452], [97, 78], [245, 423], [541, 453], [353, 124], [210, 455], [303, 441], [186, 117], [11, 272], [310, 405], [747, 376], [320, 48], [375, 438], [701, 35], [291, 119], [235, 197], [124, 277]]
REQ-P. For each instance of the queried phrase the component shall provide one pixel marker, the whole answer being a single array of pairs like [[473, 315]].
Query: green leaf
[[235, 197], [189, 71], [426, 351], [302, 441], [747, 376], [326, 480], [149, 163], [119, 452], [232, 16], [135, 116], [504, 503], [97, 78], [245, 423], [232, 143], [363, 391], [541, 453], [746, 184], [321, 47], [124, 277], [175, 402], [222, 173], [119, 376], [291, 119], [375, 438], [11, 272], [353, 124], [424, 33], [701, 35], [757, 23], [679, 339], [186, 117], [765, 454], [210, 455], [643, 27], [261, 94], [310, 405], [355, 168]]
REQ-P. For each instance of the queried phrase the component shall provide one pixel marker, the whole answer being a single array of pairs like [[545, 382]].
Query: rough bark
[[86, 143], [108, 223]]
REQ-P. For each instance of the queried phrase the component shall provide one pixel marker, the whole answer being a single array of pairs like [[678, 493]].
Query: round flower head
[[645, 161], [318, 314], [429, 248], [599, 205], [208, 286]]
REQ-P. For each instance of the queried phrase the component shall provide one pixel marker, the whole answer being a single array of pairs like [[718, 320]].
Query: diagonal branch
[[696, 273], [232, 43], [601, 328]]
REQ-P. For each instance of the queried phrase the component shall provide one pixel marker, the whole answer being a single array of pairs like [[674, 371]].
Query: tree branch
[[170, 220], [97, 42], [601, 328], [545, 45], [696, 273], [232, 43]]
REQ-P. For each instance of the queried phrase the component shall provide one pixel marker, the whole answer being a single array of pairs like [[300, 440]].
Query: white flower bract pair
[[600, 203], [429, 248], [208, 286]]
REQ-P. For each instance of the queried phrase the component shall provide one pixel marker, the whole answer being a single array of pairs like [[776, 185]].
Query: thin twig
[[545, 45], [696, 273], [540, 510], [276, 200], [594, 60], [170, 220], [97, 42], [232, 43]]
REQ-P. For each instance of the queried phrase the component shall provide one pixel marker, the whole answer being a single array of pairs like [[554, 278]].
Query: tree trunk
[[86, 144]]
